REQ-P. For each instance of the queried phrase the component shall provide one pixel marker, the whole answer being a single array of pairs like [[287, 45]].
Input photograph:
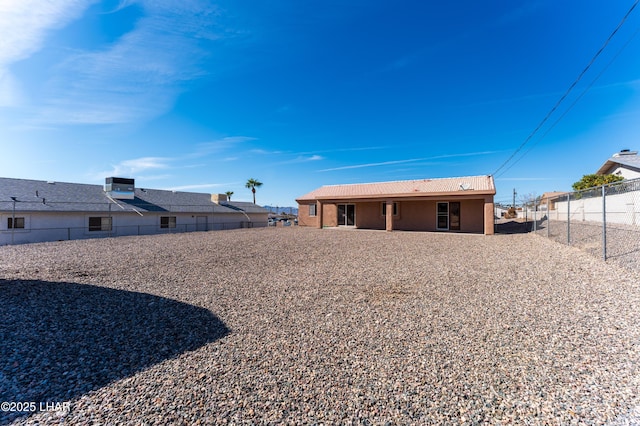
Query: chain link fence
[[604, 221], [20, 236]]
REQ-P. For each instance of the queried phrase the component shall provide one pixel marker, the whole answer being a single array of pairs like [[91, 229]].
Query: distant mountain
[[280, 210]]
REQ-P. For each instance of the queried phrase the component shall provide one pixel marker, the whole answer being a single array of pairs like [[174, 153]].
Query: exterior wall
[[621, 208], [476, 214], [258, 220], [412, 215], [369, 215], [489, 222], [55, 226], [415, 216], [472, 216], [625, 171], [330, 214], [303, 215], [421, 215]]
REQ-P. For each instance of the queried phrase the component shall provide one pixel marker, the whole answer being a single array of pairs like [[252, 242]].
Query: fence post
[[569, 219], [535, 216], [604, 223], [548, 217]]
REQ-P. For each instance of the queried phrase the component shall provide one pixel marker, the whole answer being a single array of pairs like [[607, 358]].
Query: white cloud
[[384, 163], [136, 166], [24, 25], [362, 148], [136, 78], [261, 151], [200, 186], [411, 160], [220, 145], [303, 159], [10, 92]]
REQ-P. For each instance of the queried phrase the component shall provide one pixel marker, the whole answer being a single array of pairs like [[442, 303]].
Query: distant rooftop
[[37, 195], [627, 158]]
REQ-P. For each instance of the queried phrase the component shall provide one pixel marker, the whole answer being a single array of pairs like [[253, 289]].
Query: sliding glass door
[[346, 215], [442, 218], [448, 216]]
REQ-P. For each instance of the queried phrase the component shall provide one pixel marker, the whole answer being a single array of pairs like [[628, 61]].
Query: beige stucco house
[[460, 204]]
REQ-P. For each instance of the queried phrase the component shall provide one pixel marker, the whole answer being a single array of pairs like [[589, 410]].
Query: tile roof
[[406, 188], [43, 196]]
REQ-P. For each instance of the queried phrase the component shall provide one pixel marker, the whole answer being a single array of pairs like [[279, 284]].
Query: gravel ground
[[299, 325], [623, 241]]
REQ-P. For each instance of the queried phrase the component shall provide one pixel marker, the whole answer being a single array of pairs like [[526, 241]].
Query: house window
[[384, 209], [312, 209], [99, 224], [18, 223], [167, 222]]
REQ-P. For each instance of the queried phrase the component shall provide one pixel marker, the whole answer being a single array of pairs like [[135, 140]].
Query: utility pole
[[514, 198]]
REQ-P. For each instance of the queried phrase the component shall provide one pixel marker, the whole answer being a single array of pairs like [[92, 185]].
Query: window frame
[[442, 214], [171, 222], [313, 210], [106, 224], [15, 222], [396, 209]]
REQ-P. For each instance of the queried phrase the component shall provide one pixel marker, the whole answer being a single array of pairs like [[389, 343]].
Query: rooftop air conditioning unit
[[120, 188]]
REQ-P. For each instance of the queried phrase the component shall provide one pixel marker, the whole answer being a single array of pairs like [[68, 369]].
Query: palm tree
[[229, 194], [253, 184]]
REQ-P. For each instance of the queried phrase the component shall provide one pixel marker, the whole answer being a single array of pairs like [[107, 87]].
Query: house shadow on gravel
[[515, 226], [60, 340]]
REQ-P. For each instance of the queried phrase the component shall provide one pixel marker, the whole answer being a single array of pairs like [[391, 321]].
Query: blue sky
[[203, 95]]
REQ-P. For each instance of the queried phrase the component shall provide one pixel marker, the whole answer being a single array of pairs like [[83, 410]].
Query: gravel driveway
[[298, 325]]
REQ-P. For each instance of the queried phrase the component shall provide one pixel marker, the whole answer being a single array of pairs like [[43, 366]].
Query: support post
[[569, 219], [389, 215], [488, 218], [548, 216], [319, 214], [604, 223]]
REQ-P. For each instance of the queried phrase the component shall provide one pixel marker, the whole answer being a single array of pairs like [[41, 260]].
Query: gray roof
[[630, 160], [43, 196]]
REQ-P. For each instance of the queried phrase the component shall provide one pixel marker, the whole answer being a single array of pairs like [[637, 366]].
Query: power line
[[562, 98], [573, 103]]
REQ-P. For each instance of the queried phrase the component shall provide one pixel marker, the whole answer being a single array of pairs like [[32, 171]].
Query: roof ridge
[[406, 180], [51, 181]]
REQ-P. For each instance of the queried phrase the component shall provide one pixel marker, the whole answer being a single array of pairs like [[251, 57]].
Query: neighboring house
[[622, 201], [624, 163], [461, 204], [548, 200], [35, 211]]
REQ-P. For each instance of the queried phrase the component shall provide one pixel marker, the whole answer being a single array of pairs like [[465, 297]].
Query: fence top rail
[[628, 185], [632, 184]]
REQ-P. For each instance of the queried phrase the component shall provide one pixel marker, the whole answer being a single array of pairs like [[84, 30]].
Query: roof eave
[[605, 167], [412, 195]]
